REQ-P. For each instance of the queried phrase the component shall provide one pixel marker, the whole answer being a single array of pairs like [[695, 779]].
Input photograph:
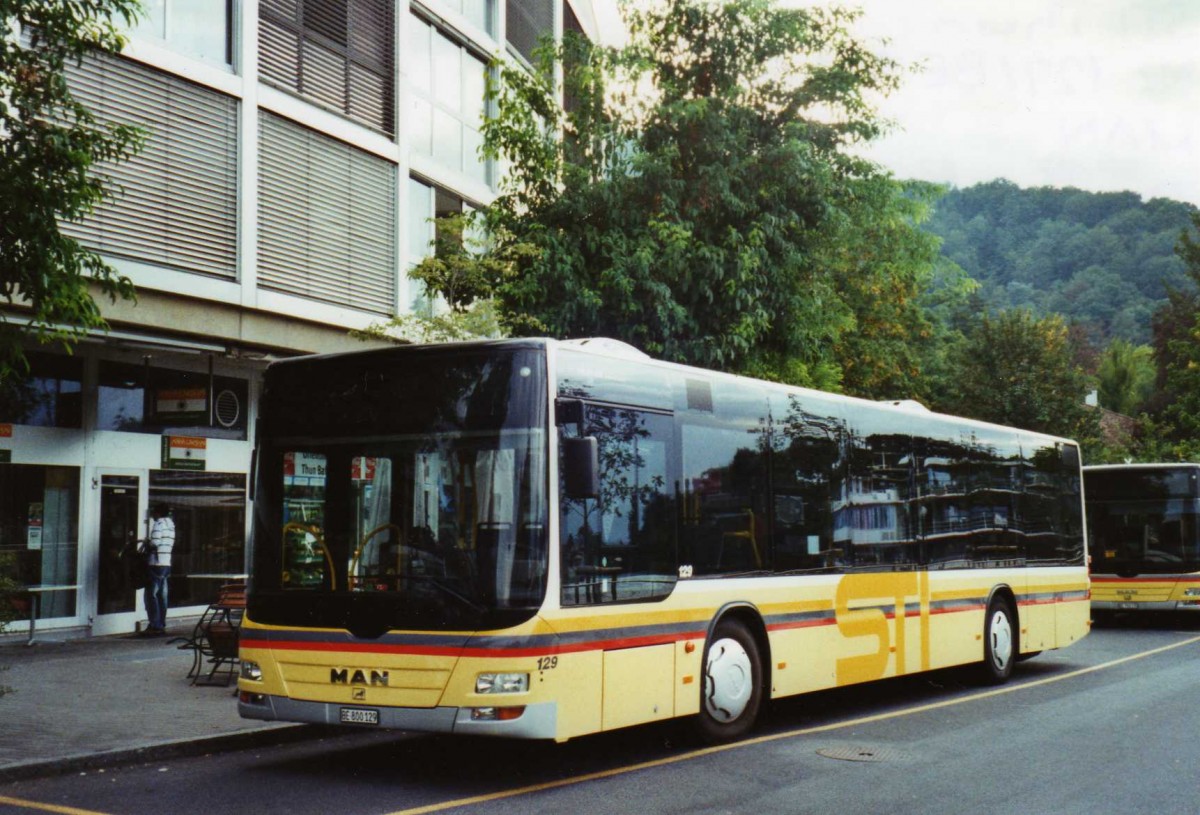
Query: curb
[[179, 748]]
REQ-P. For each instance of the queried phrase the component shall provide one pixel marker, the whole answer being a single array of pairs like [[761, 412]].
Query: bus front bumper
[[538, 721]]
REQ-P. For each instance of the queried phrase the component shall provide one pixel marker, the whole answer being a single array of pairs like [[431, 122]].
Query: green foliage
[[1017, 369], [48, 152], [462, 270], [885, 272], [1102, 260], [1180, 358], [704, 202], [1126, 376], [478, 322]]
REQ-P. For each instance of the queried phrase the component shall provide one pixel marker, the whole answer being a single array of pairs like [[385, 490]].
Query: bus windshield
[[403, 489], [1143, 520]]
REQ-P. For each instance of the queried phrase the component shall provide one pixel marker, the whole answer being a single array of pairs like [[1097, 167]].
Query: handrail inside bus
[[353, 578]]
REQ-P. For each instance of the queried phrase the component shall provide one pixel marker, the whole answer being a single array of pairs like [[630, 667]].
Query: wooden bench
[[214, 640]]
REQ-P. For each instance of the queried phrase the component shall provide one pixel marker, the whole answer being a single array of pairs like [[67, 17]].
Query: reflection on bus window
[[620, 546], [304, 556]]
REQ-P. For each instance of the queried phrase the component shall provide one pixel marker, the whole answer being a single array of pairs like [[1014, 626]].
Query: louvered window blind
[[326, 219], [336, 52], [176, 201], [527, 21]]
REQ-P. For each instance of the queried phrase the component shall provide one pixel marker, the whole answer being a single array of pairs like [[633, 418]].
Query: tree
[[885, 270], [1102, 259], [1016, 369], [699, 201], [1126, 376], [461, 270], [1180, 356], [49, 148]]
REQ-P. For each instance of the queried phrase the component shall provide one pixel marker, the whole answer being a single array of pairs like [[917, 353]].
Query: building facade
[[297, 151]]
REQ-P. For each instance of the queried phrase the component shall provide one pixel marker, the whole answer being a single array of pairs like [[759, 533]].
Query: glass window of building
[[448, 107], [426, 204], [50, 396], [339, 53], [480, 13], [420, 239], [39, 534], [527, 22], [209, 511], [145, 399], [197, 28]]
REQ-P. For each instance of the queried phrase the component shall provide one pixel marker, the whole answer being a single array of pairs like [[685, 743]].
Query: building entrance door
[[121, 527]]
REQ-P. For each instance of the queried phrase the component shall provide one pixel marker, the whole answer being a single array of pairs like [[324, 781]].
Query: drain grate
[[858, 753]]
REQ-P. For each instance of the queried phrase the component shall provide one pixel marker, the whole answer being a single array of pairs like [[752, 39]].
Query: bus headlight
[[251, 671], [1194, 591], [502, 683]]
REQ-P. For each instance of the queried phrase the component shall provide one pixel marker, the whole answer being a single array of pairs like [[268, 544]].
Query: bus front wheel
[[731, 693], [999, 642]]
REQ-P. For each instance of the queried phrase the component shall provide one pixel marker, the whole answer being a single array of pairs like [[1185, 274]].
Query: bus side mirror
[[581, 467]]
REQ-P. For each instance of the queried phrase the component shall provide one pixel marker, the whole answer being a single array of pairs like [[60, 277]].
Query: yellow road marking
[[21, 802], [825, 728]]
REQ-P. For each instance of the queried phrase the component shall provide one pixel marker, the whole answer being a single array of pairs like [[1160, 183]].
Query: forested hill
[[1102, 259]]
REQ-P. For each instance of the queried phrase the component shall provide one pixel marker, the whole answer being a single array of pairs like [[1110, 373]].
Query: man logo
[[360, 694], [342, 676]]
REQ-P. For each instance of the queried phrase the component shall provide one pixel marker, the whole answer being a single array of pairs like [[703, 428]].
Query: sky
[[1103, 95]]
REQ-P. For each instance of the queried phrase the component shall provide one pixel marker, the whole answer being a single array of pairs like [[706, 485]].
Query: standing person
[[158, 552]]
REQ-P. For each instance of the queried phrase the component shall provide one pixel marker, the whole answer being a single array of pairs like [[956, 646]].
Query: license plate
[[1127, 605], [358, 715]]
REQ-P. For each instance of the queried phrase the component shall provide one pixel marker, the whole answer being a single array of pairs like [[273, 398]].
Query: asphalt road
[[1106, 726]]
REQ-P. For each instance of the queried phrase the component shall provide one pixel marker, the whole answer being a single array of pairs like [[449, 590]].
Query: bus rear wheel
[[732, 687], [999, 642]]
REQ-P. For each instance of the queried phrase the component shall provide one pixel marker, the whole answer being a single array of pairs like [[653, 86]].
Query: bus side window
[[620, 545], [806, 453], [725, 515]]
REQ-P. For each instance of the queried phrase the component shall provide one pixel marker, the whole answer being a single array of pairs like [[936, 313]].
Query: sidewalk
[[104, 701]]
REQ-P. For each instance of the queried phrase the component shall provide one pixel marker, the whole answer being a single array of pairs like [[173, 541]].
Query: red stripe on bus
[[1167, 579], [956, 609], [468, 651]]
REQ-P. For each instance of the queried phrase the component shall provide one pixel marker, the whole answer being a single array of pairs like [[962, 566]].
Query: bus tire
[[731, 692], [999, 642]]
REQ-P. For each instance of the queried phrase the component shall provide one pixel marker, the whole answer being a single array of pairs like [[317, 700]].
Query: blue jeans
[[156, 597]]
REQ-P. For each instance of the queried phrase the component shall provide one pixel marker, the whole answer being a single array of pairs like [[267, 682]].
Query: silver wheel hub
[[1001, 640], [728, 680]]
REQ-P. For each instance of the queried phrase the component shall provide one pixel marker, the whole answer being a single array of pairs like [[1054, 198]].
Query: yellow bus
[[1143, 523], [546, 539]]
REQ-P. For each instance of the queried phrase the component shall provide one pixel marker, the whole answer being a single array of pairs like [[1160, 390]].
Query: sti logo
[[343, 676]]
